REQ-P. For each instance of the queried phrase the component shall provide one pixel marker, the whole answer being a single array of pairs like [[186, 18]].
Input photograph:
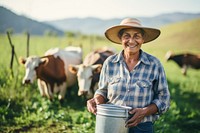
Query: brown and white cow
[[88, 73], [184, 60], [51, 70]]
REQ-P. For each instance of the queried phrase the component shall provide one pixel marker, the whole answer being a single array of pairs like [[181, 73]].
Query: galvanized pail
[[111, 118]]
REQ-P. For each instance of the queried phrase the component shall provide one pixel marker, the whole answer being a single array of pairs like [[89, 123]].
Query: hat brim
[[150, 34]]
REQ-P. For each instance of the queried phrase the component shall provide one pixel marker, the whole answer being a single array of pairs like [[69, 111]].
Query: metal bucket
[[111, 118]]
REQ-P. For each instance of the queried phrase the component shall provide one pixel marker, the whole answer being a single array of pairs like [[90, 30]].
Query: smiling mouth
[[133, 46]]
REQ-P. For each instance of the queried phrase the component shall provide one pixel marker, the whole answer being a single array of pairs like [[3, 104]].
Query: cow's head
[[31, 63], [168, 55], [85, 75]]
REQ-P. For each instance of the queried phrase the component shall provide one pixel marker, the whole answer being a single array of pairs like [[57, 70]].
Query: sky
[[47, 10]]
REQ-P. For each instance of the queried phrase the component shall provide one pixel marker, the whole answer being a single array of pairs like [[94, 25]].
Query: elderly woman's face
[[132, 40]]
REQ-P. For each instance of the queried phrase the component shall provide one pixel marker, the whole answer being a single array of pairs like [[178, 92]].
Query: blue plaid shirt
[[138, 88]]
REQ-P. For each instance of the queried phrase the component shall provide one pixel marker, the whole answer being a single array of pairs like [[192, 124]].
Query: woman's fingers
[[137, 117], [91, 106]]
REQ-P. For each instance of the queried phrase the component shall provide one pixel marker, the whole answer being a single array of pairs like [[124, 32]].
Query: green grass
[[24, 110]]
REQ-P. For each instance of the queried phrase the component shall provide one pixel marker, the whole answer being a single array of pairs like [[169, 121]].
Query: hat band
[[131, 23]]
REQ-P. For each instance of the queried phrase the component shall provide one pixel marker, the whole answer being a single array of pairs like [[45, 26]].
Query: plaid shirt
[[144, 85]]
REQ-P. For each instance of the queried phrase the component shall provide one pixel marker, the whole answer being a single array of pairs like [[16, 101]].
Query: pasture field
[[22, 109]]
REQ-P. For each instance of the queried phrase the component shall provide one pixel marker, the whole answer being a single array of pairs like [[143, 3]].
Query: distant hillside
[[98, 26], [84, 25], [170, 18], [182, 36], [20, 24], [178, 37]]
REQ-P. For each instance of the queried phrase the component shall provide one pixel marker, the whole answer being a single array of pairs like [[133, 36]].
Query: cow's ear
[[44, 61], [22, 60], [97, 68], [73, 68]]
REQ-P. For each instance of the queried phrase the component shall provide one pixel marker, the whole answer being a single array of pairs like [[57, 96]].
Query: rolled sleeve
[[162, 107], [162, 95]]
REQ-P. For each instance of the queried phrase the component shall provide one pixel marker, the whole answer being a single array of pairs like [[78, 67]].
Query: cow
[[184, 60], [51, 70], [89, 71]]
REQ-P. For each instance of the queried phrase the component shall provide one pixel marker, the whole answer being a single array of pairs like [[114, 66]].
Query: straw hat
[[149, 33]]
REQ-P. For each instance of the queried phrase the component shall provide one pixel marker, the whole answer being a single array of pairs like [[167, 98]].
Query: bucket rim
[[113, 106]]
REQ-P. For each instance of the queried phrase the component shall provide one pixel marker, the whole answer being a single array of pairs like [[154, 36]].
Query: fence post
[[13, 54]]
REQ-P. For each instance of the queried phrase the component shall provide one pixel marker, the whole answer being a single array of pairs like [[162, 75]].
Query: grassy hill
[[183, 36], [178, 37], [24, 110]]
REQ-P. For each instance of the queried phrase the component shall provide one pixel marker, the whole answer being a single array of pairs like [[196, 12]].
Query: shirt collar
[[143, 57]]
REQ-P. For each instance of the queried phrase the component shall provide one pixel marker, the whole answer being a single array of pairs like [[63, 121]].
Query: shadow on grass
[[187, 105], [16, 115], [72, 99]]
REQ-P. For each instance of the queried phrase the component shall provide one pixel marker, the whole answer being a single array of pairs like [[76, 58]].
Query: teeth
[[132, 46]]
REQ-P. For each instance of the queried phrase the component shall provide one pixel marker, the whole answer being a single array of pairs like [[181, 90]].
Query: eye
[[126, 36], [137, 36]]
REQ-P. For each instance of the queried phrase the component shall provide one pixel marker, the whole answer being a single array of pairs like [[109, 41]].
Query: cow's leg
[[41, 86], [184, 70], [48, 91], [62, 91]]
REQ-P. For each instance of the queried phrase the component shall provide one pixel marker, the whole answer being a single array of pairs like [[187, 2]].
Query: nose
[[27, 81], [132, 40]]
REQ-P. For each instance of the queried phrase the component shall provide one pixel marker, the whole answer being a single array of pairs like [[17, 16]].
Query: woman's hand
[[140, 113], [92, 103], [91, 106], [138, 116]]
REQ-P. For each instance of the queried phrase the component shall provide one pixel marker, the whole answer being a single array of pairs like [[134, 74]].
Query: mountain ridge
[[20, 24], [89, 25], [92, 25]]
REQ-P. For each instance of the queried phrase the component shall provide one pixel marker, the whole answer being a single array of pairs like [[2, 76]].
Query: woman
[[133, 77]]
